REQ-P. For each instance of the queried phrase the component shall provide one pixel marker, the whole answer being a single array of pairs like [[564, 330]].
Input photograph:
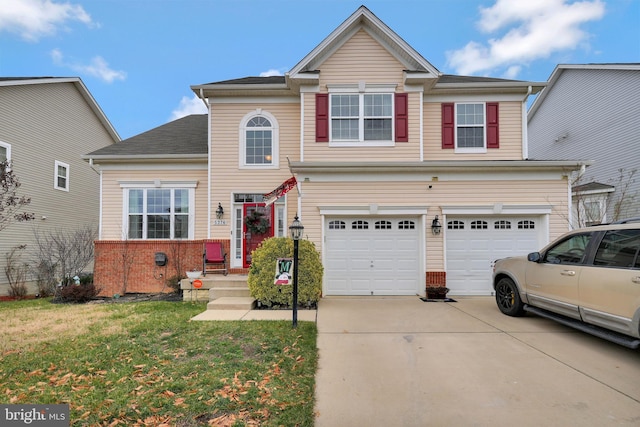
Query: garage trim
[[372, 209]]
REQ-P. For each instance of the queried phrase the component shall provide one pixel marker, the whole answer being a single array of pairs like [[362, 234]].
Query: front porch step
[[232, 303], [233, 291], [215, 287]]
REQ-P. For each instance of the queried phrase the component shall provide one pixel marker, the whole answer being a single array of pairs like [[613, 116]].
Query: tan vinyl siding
[[510, 119], [112, 195], [225, 154], [43, 123], [400, 151], [361, 58], [443, 193]]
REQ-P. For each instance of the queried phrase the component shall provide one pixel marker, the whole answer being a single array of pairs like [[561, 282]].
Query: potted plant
[[437, 292]]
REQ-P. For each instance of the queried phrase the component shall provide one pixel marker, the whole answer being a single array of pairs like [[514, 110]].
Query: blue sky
[[138, 58]]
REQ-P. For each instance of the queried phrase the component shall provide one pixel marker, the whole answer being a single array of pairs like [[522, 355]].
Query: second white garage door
[[372, 256], [474, 243]]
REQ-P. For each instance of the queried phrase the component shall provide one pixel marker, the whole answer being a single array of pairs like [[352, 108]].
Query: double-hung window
[[5, 151], [159, 213], [361, 117], [61, 176], [470, 127]]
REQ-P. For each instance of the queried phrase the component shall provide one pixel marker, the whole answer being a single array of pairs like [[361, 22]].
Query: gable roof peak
[[363, 18]]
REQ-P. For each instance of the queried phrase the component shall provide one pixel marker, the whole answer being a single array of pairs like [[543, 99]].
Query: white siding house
[[590, 112]]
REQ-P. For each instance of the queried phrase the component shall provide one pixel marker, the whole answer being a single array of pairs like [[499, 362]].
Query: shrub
[[173, 282], [263, 268], [45, 278], [78, 293]]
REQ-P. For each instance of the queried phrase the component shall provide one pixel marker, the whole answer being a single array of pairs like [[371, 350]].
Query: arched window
[[259, 140]]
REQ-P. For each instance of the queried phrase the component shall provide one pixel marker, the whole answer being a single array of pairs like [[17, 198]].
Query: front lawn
[[146, 364]]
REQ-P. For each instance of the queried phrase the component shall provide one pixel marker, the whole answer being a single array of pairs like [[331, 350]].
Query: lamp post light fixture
[[295, 229], [436, 226], [219, 211]]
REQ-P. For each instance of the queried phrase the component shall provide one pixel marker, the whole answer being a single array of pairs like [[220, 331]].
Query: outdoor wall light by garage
[[436, 227], [219, 211]]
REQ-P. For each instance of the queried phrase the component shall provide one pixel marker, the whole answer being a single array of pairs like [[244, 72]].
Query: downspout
[[422, 125], [99, 198], [525, 128], [208, 162]]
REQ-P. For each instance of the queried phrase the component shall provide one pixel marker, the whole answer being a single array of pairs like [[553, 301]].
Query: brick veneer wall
[[112, 257], [437, 278]]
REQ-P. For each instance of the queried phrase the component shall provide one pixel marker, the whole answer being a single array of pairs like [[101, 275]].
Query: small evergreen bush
[[263, 269], [78, 293]]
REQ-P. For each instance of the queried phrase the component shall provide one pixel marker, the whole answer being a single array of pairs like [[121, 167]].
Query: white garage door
[[372, 256], [474, 243]]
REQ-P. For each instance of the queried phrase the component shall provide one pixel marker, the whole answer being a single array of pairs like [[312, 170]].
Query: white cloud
[[533, 30], [32, 19], [193, 105], [271, 72], [98, 67]]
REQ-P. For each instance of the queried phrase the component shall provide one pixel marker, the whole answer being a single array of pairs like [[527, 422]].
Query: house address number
[[219, 222]]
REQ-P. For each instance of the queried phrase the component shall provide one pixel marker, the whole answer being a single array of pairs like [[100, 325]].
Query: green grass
[[146, 364]]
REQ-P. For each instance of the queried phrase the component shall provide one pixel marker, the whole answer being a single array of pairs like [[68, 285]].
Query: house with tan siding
[[46, 126], [405, 177]]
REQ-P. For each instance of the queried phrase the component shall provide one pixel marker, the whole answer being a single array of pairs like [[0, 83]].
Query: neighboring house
[[590, 111], [46, 125], [383, 146]]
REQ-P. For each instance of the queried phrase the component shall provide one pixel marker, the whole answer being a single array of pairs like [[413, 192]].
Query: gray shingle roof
[[450, 78], [187, 135], [445, 78], [252, 80]]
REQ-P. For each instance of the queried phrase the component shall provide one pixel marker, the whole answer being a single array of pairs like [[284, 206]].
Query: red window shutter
[[402, 117], [493, 140], [448, 125], [322, 117]]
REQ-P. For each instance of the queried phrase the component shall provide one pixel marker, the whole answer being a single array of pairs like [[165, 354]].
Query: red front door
[[257, 225]]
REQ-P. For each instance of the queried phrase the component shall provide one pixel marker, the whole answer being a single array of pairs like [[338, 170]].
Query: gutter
[[430, 166]]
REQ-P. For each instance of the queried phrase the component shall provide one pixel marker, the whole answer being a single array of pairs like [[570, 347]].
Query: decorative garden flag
[[284, 271]]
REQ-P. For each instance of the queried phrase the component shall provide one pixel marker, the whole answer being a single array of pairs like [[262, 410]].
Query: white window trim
[[55, 176], [7, 147], [580, 210], [145, 185], [275, 141], [363, 88], [471, 150]]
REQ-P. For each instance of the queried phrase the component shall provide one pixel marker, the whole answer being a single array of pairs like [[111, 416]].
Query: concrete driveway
[[404, 362]]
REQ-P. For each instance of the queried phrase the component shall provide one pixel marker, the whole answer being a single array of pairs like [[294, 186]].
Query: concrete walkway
[[405, 362], [303, 315]]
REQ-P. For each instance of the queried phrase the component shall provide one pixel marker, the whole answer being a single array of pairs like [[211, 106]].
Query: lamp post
[[295, 229]]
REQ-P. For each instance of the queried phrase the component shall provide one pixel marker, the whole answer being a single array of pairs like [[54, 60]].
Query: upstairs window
[[259, 140], [361, 117], [61, 177], [470, 127], [352, 117]]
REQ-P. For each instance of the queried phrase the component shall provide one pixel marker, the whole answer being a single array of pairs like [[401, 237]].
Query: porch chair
[[214, 254]]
